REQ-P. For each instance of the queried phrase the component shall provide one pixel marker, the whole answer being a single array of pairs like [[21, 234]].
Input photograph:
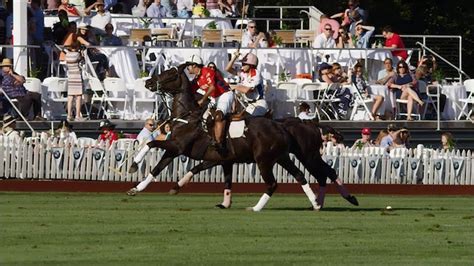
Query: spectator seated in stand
[[100, 19], [351, 15], [362, 35], [338, 75], [343, 94], [365, 141], [324, 20], [386, 74], [107, 132], [148, 132], [364, 89], [380, 136], [394, 40], [70, 9], [9, 131], [110, 39], [420, 75], [185, 8], [404, 86], [393, 139], [156, 10], [343, 39], [87, 38], [325, 39], [252, 38], [12, 85], [304, 112]]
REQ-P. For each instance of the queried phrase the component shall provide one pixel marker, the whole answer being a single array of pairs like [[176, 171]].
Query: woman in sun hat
[[9, 128]]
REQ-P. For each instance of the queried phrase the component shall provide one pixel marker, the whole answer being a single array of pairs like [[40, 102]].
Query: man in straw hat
[[9, 128], [12, 85]]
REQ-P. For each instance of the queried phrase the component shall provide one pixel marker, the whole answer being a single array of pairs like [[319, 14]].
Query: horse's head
[[171, 81]]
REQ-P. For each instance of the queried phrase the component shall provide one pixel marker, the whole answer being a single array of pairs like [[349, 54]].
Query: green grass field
[[158, 229]]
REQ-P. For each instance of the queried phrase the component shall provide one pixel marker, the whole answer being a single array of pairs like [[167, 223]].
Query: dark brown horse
[[266, 142], [305, 144]]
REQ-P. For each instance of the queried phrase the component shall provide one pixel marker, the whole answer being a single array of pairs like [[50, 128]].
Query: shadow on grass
[[347, 209]]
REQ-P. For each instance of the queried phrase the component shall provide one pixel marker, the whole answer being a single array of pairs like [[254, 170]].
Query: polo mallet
[[117, 170]]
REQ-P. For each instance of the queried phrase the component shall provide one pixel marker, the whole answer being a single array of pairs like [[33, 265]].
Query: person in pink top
[[394, 40]]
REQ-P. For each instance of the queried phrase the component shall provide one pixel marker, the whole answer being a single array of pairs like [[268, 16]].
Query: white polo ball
[[388, 207]]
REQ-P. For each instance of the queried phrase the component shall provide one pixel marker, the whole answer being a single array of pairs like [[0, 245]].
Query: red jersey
[[210, 77], [110, 136], [399, 43]]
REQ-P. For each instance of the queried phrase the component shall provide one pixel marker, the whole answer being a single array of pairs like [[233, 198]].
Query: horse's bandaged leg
[[321, 196], [227, 198], [340, 187], [185, 180], [311, 196], [261, 203], [145, 182], [141, 154]]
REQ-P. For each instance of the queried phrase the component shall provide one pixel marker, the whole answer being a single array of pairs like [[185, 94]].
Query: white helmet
[[250, 59], [195, 60]]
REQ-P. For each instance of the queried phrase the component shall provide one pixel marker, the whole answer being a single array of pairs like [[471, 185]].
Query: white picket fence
[[53, 160]]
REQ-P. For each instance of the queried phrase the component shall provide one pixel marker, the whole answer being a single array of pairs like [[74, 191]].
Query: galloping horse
[[266, 142], [306, 143]]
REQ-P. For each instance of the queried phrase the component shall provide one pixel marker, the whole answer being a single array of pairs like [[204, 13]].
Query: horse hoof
[[132, 192], [317, 208], [221, 206], [175, 190], [352, 200], [133, 168]]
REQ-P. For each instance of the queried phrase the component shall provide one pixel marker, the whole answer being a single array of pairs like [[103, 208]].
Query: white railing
[[50, 159]]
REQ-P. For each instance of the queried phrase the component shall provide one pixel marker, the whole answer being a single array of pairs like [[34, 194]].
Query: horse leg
[[164, 161], [187, 177], [266, 170], [299, 176], [321, 170], [167, 145], [227, 201]]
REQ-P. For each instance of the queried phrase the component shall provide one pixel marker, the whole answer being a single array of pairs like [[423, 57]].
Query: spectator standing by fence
[[365, 141], [148, 132], [447, 141], [107, 132], [9, 129]]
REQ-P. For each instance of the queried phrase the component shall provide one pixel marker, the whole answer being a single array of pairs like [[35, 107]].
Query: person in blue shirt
[[110, 39], [362, 35]]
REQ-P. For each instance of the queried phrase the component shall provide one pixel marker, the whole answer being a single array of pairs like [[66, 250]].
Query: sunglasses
[[341, 32], [401, 67], [251, 27], [214, 67], [151, 125], [327, 29]]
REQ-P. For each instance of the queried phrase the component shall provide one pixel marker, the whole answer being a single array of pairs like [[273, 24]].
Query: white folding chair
[[142, 95], [33, 85], [329, 99], [360, 102], [98, 95], [469, 85], [84, 141], [314, 93], [116, 92], [57, 90], [432, 93], [287, 92], [400, 103]]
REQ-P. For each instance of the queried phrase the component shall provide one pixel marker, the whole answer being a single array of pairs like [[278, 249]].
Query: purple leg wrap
[[342, 190], [321, 195]]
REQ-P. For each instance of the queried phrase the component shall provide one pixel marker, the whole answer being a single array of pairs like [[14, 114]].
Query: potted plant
[[197, 42], [146, 22], [212, 25], [144, 74], [35, 72], [438, 75], [277, 40]]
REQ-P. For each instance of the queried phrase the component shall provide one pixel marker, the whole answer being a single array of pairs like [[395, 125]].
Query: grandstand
[[289, 63]]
